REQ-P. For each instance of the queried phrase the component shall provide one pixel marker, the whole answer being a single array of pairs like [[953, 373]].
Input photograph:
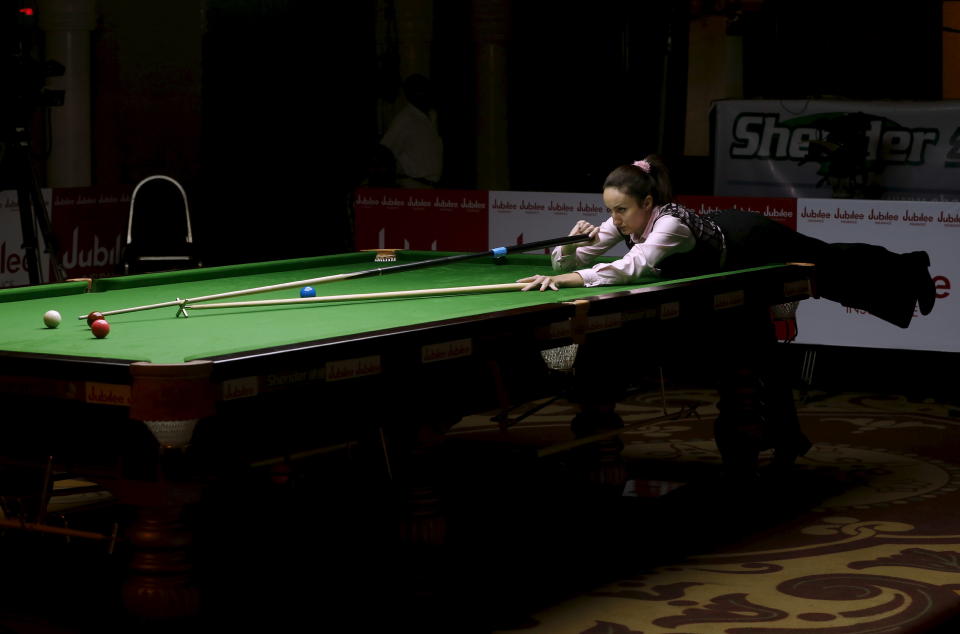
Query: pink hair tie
[[644, 165]]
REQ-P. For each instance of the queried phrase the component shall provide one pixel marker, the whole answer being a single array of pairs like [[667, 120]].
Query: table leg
[[160, 586], [756, 405], [600, 382], [168, 400]]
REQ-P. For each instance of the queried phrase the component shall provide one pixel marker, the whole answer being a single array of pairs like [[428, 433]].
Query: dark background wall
[[288, 111], [856, 50], [268, 109]]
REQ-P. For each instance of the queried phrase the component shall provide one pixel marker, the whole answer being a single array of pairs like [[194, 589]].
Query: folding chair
[[159, 232]]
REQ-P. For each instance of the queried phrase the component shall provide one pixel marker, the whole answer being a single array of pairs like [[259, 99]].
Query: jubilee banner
[[425, 219], [420, 219], [518, 217], [782, 210], [900, 227], [837, 149], [13, 256], [90, 225]]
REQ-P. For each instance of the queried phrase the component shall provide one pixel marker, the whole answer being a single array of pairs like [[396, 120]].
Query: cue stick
[[420, 292], [409, 266]]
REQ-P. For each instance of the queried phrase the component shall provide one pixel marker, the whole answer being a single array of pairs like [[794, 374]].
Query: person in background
[[413, 137]]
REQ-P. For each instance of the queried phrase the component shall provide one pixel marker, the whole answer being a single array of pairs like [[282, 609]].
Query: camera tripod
[[34, 219], [23, 77]]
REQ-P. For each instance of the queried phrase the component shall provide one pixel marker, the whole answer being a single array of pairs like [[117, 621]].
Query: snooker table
[[221, 390]]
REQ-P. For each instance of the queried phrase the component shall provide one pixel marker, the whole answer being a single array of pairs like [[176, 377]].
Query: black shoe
[[740, 439], [787, 452]]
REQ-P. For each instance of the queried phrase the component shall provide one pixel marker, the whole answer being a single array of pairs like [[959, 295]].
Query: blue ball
[[308, 291]]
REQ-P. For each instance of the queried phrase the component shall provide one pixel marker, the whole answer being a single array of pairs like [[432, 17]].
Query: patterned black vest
[[705, 257]]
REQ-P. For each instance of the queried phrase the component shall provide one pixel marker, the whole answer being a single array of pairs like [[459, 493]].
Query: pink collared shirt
[[663, 236]]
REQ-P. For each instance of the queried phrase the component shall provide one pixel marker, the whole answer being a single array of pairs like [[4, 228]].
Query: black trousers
[[741, 352], [737, 353], [863, 276]]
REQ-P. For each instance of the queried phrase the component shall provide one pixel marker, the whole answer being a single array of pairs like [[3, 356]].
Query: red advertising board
[[90, 227], [783, 210], [421, 219]]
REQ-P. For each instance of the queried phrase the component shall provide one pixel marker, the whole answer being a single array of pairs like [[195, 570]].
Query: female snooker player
[[667, 240]]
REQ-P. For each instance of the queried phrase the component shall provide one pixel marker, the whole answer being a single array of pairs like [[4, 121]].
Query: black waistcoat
[[707, 254]]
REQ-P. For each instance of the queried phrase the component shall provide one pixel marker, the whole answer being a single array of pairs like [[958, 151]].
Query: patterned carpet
[[864, 535]]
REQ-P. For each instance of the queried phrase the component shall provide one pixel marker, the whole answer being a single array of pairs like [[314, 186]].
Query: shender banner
[[838, 149]]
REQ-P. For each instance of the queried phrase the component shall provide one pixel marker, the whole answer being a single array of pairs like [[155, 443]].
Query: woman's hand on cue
[[580, 228], [551, 282], [543, 281]]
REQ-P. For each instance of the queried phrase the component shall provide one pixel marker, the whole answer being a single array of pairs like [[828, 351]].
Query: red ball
[[92, 317], [100, 328]]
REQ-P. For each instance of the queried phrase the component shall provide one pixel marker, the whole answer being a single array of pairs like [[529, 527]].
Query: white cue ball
[[51, 319]]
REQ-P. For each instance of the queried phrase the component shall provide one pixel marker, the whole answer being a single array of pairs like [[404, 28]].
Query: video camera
[[22, 76], [22, 79]]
